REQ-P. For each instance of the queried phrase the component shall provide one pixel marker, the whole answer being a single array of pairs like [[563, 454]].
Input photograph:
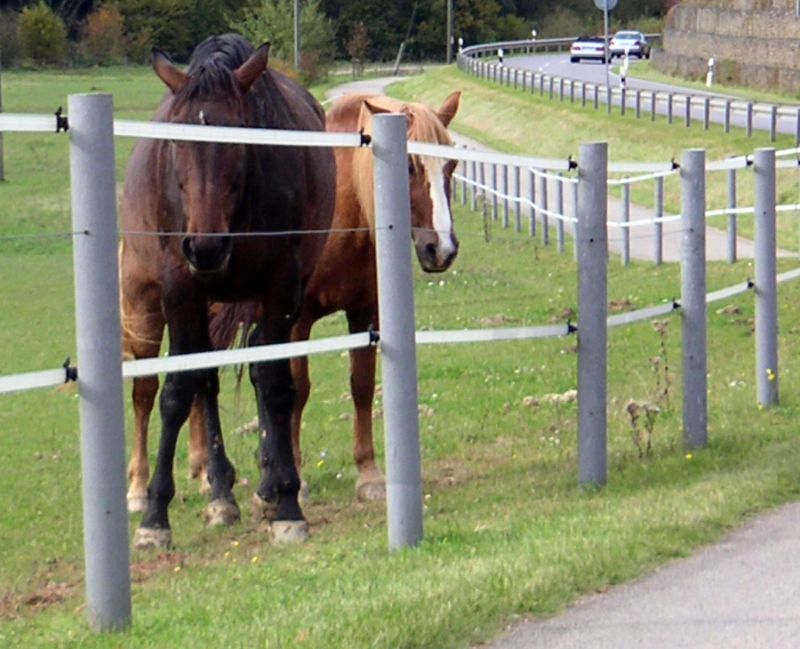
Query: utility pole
[[449, 31], [297, 35], [2, 167]]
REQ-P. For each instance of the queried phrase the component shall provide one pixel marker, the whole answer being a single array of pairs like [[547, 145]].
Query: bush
[[9, 38], [42, 35], [104, 40]]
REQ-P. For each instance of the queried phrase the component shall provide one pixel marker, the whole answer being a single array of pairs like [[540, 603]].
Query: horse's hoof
[[304, 495], [262, 510], [372, 490], [137, 504], [283, 532], [148, 537], [221, 513]]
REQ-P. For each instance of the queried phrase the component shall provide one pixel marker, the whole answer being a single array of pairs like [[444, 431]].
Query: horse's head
[[210, 177], [429, 181]]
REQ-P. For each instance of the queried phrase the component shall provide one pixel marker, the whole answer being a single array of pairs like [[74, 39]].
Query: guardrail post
[[561, 88], [766, 292], [687, 107], [592, 242], [583, 95], [669, 108], [706, 113], [693, 299], [732, 252], [485, 201], [623, 93], [596, 97], [495, 202], [797, 129], [626, 218], [397, 327], [474, 177], [727, 117], [658, 226], [773, 123], [749, 118], [638, 103], [99, 349]]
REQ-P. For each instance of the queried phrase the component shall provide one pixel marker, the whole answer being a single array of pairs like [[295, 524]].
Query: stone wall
[[755, 43]]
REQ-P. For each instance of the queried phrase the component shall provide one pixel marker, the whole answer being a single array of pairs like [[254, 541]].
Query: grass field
[[508, 531]]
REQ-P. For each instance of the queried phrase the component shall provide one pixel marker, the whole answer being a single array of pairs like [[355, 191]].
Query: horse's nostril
[[430, 251], [186, 247]]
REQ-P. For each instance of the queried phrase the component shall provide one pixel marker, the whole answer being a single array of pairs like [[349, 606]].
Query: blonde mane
[[424, 126]]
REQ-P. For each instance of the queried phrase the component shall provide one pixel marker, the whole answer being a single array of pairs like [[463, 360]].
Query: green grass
[[507, 530]]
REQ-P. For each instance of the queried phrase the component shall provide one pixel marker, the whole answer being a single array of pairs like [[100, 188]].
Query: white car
[[635, 43], [587, 47]]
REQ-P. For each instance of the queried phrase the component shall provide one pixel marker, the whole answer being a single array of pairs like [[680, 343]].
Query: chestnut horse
[[187, 210], [346, 280]]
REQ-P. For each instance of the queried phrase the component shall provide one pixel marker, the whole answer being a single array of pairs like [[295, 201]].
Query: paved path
[[740, 593]]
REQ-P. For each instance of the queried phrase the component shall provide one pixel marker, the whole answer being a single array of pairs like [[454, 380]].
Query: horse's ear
[[166, 70], [449, 108], [247, 73], [374, 109]]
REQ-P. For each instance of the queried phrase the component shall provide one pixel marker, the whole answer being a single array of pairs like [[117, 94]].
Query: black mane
[[211, 64]]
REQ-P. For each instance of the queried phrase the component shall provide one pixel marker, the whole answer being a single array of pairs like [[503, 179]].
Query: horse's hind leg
[[302, 385], [371, 484], [143, 329], [198, 448]]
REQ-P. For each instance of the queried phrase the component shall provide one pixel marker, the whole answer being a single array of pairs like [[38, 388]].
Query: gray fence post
[[518, 204], [706, 113], [653, 102], [543, 211], [797, 128], [669, 108], [575, 223], [766, 308], [638, 103], [693, 299], [688, 111], [749, 119], [397, 326], [532, 191], [99, 349], [474, 177], [506, 219], [658, 226], [560, 212], [485, 201], [583, 93], [626, 218], [732, 252], [592, 241]]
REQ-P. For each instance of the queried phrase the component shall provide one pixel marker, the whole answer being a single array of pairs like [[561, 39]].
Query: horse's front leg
[[276, 500], [302, 384], [371, 484]]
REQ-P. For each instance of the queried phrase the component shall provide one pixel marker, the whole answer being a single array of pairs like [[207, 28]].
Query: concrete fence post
[[397, 332], [693, 299], [592, 242], [766, 290], [97, 327]]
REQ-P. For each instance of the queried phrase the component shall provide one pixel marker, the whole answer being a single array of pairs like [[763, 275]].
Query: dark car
[[635, 43], [587, 47]]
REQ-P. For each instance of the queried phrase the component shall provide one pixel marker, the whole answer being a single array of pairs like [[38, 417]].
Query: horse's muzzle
[[435, 257], [207, 254]]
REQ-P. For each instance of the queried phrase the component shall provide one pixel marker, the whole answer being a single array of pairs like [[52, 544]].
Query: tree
[[42, 35], [273, 21], [104, 39]]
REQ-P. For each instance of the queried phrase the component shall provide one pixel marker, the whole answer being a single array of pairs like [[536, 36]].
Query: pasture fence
[[92, 130], [481, 61]]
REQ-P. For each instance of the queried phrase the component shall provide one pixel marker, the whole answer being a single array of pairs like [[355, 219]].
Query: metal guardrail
[[471, 59]]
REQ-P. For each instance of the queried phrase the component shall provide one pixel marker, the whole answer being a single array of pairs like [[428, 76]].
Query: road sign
[[606, 5]]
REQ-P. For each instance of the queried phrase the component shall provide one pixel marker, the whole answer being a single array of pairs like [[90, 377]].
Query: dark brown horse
[[195, 203]]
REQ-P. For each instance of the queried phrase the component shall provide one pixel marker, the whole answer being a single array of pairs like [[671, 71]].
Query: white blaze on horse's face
[[434, 236]]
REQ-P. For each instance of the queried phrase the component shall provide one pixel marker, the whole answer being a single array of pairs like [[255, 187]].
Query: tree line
[[88, 32]]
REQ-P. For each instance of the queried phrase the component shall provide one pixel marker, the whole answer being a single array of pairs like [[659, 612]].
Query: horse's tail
[[231, 322]]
